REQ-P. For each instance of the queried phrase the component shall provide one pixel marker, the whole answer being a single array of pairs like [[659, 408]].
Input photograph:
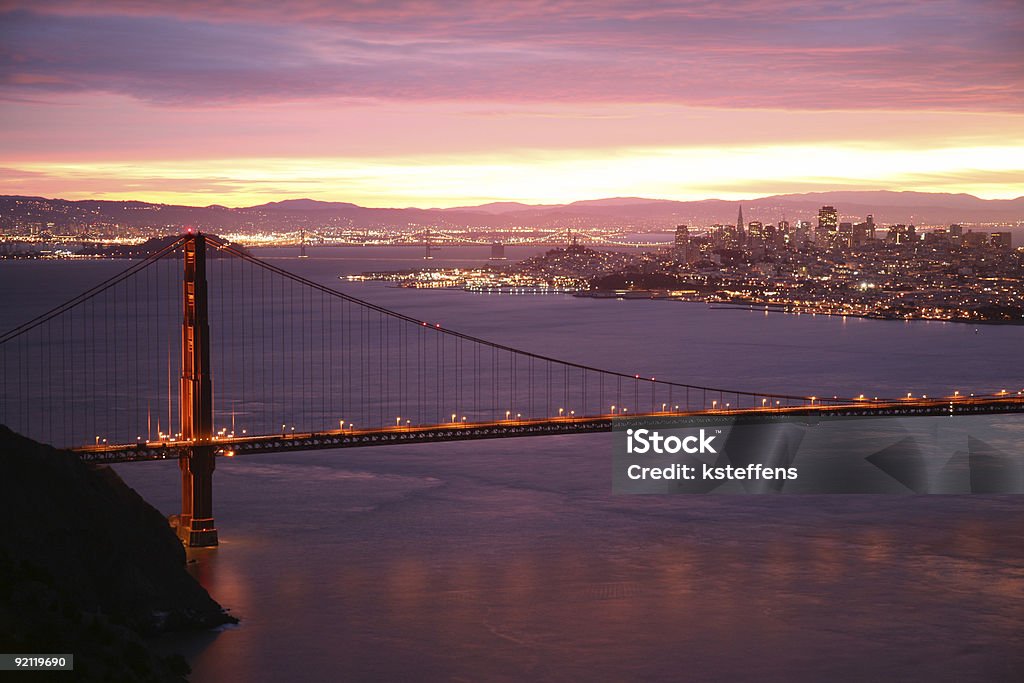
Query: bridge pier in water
[[196, 527]]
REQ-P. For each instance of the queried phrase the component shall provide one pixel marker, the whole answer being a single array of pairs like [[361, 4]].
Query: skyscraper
[[682, 236], [828, 223], [844, 235], [1003, 240]]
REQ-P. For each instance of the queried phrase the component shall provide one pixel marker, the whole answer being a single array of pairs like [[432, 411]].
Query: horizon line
[[639, 200]]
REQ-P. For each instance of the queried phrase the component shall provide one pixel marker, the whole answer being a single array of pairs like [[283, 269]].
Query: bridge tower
[[195, 524]]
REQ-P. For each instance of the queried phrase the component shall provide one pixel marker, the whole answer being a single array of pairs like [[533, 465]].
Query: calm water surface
[[505, 560]]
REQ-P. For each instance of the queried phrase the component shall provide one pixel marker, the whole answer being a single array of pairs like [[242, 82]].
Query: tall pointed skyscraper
[[739, 224]]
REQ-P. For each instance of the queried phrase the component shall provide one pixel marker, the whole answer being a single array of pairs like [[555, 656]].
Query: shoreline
[[651, 295], [776, 308], [782, 308]]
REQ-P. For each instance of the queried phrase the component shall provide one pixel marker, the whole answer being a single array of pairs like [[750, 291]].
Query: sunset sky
[[448, 103]]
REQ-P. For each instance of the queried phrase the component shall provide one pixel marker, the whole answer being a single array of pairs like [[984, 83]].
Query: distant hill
[[887, 207], [503, 207], [305, 205]]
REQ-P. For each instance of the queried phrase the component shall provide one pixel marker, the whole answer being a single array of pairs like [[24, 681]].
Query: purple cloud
[[881, 54]]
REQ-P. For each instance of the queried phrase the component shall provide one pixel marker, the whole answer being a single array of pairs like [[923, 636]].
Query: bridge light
[[613, 409], [519, 416], [398, 421], [764, 402], [714, 404], [508, 413], [908, 395], [453, 417], [560, 411]]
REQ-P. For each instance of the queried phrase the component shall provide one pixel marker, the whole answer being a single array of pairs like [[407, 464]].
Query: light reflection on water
[[488, 562]]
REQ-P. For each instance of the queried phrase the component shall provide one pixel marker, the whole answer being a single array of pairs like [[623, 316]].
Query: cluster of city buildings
[[829, 233], [844, 268], [831, 267]]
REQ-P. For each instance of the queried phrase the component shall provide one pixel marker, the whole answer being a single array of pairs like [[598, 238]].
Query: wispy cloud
[[945, 54]]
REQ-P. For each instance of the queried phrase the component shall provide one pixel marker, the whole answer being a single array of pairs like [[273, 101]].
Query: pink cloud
[[950, 54]]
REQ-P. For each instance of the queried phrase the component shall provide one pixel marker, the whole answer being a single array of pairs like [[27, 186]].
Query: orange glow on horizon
[[538, 177]]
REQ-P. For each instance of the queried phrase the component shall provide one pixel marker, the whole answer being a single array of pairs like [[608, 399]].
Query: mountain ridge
[[888, 206]]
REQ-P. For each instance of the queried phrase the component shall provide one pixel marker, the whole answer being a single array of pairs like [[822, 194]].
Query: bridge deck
[[349, 438]]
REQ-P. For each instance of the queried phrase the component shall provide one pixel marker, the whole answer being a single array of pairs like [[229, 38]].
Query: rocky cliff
[[87, 565]]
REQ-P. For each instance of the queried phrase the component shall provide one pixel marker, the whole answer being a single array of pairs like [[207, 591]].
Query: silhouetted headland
[[88, 567]]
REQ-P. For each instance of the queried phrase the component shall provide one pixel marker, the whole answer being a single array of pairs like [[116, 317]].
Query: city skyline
[[423, 104]]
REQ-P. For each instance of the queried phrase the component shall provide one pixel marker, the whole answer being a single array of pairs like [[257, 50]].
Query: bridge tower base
[[195, 524]]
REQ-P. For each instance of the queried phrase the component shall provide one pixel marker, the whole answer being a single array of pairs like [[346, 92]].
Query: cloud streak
[[945, 54]]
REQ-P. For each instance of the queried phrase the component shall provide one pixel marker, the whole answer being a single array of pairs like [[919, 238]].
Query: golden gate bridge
[[201, 350]]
